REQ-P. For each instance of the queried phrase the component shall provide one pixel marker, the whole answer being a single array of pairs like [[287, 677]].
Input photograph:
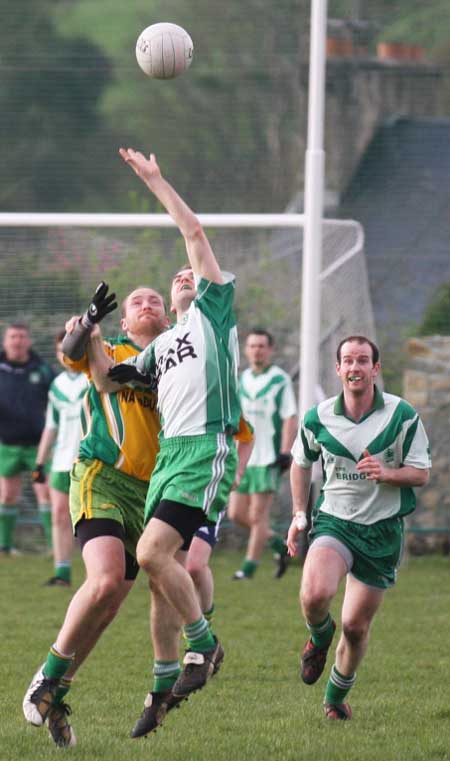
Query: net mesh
[[48, 274]]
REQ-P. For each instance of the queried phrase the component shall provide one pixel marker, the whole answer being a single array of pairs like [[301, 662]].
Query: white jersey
[[195, 365], [65, 398], [267, 400], [392, 431]]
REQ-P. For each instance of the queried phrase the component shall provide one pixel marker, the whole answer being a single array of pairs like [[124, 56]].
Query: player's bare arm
[[404, 476], [288, 433], [100, 363], [200, 253], [300, 486]]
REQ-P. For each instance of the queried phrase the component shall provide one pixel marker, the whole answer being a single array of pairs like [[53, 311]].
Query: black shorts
[[91, 528], [184, 519]]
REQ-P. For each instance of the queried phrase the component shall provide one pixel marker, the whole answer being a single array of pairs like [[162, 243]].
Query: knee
[[60, 516], [314, 597], [148, 558], [195, 569], [256, 520], [355, 631], [105, 594]]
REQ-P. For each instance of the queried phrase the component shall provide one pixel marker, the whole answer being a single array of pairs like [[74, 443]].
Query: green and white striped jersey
[[392, 431], [267, 400], [195, 365], [65, 398]]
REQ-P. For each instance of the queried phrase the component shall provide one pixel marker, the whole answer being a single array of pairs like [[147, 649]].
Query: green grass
[[256, 708]]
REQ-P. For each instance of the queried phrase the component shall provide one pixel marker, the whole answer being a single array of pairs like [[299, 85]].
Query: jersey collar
[[378, 404]]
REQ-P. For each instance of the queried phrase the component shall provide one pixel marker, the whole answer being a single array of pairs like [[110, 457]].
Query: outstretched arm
[[200, 253]]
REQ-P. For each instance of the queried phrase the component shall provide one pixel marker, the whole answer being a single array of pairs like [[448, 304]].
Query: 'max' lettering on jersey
[[174, 357]]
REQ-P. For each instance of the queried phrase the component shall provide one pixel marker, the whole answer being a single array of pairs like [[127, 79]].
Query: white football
[[164, 51]]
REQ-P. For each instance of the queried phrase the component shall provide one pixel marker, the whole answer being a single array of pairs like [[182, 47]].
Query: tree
[[49, 110], [437, 314], [228, 133]]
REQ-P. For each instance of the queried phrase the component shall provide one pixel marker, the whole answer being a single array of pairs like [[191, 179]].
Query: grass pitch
[[257, 707]]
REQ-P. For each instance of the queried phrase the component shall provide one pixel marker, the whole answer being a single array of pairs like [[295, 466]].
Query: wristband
[[74, 344], [300, 520]]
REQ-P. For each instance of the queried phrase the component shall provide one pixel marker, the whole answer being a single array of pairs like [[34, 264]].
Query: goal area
[[50, 265]]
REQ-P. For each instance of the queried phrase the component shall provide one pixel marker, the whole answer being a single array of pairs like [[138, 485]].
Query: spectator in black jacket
[[24, 382]]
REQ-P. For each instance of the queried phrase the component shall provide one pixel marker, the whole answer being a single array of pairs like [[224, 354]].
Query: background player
[[268, 403], [24, 383], [63, 430]]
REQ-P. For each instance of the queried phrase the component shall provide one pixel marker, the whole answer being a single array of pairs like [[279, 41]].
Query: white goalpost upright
[[314, 188]]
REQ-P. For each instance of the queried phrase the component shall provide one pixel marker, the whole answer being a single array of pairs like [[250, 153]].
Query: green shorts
[[198, 471], [14, 459], [98, 490], [376, 549], [60, 480], [258, 479]]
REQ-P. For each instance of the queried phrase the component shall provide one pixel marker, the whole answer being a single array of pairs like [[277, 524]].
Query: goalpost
[[50, 263], [343, 280]]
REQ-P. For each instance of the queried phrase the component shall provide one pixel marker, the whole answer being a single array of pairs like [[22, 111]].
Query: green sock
[[249, 567], [63, 688], [63, 570], [338, 686], [45, 514], [57, 664], [322, 634], [277, 544], [8, 517], [165, 674], [209, 614], [199, 636]]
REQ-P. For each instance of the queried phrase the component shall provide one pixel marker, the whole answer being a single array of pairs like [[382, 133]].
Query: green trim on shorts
[[15, 459], [259, 479], [376, 549], [197, 471], [98, 490], [60, 480]]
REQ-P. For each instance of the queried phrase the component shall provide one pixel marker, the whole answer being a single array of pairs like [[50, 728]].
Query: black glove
[[38, 474], [100, 306], [284, 461], [122, 374]]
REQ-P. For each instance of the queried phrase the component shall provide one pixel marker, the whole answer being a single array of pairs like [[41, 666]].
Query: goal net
[[50, 265]]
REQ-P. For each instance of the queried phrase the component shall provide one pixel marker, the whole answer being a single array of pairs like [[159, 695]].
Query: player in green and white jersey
[[268, 403], [375, 452], [195, 366], [62, 430]]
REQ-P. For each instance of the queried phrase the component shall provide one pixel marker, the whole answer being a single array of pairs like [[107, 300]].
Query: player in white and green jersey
[[62, 430], [268, 403], [195, 366], [375, 452]]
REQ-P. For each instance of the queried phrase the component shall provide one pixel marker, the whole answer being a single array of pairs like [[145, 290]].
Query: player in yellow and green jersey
[[109, 483]]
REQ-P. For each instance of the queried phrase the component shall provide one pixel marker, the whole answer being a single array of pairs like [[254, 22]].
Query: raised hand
[[100, 306], [145, 168]]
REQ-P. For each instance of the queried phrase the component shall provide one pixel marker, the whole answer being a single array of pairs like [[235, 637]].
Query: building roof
[[401, 195]]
